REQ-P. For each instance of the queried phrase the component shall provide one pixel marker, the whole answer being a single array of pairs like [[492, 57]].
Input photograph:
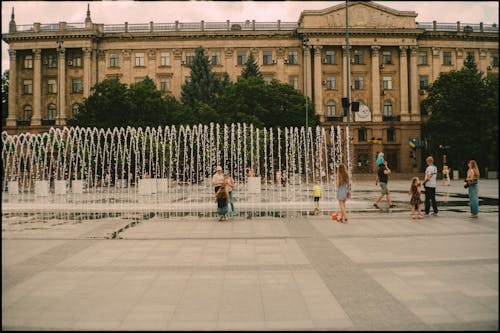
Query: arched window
[[52, 112], [387, 108], [27, 113], [331, 109], [76, 109]]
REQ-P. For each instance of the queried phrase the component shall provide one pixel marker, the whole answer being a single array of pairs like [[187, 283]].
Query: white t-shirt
[[217, 179], [431, 170]]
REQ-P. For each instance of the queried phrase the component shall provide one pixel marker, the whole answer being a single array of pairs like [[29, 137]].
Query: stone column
[[376, 115], [436, 51], [307, 78], [403, 83], [12, 116], [87, 75], [482, 64], [228, 62], [177, 79], [318, 87], [61, 91], [151, 65], [36, 119], [414, 85]]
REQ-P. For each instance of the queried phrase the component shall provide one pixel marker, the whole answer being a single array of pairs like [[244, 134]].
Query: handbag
[[466, 184]]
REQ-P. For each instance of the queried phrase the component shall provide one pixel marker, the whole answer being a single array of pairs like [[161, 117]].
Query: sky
[[117, 12]]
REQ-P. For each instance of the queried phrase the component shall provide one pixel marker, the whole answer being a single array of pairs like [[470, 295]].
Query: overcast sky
[[109, 12]]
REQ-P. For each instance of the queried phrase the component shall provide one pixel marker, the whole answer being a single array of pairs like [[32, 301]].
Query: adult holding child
[[230, 184], [383, 179]]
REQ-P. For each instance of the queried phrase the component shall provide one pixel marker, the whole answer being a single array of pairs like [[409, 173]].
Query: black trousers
[[430, 196]]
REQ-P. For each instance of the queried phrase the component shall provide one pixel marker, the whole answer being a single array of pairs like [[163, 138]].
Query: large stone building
[[393, 59]]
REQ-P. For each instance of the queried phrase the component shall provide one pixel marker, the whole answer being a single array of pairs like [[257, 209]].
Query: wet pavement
[[146, 271]]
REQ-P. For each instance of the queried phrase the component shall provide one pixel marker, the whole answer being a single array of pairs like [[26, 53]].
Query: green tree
[[463, 107], [203, 86], [5, 95], [148, 107], [251, 68]]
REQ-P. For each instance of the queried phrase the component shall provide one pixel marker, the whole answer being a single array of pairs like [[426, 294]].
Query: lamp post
[[348, 85], [304, 46], [59, 48]]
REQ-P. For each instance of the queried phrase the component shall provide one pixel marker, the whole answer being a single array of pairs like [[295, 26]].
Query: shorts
[[316, 199], [383, 188]]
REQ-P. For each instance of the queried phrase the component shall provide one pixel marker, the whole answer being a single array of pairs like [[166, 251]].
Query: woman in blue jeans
[[472, 180]]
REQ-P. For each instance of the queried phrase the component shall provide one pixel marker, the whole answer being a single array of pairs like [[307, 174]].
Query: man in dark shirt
[[382, 178]]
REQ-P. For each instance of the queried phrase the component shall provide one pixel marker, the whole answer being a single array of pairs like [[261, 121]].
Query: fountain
[[77, 171]]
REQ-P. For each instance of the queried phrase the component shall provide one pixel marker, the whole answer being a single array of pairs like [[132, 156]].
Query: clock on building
[[363, 114]]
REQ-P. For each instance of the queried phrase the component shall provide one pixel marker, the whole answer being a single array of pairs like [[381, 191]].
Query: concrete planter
[[77, 186], [162, 184], [60, 187], [13, 187], [42, 188], [254, 185], [145, 186]]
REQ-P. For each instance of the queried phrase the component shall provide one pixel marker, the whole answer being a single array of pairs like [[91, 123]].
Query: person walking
[[222, 199], [343, 192], [446, 175], [218, 178], [472, 186], [430, 186], [316, 196], [415, 201], [230, 184], [383, 179]]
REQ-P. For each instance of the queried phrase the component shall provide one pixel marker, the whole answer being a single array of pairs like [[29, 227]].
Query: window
[[52, 84], [293, 57], [422, 57], [470, 55], [139, 59], [28, 61], [77, 61], [51, 112], [294, 81], [189, 58], [76, 85], [216, 58], [242, 57], [331, 109], [446, 58], [391, 134], [386, 57], [28, 86], [268, 79], [331, 83], [361, 134], [494, 59], [424, 82], [358, 57], [387, 108], [330, 57], [387, 82], [267, 58], [358, 82], [75, 109], [164, 59], [27, 113], [113, 60], [164, 84], [138, 79], [52, 60]]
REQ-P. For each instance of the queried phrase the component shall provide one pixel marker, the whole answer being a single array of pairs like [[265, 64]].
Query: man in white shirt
[[430, 186], [218, 178]]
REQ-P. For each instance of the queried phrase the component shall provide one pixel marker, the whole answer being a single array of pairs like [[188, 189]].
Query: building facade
[[393, 59]]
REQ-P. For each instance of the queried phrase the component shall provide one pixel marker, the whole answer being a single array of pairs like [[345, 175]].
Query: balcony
[[20, 123], [48, 122], [391, 118]]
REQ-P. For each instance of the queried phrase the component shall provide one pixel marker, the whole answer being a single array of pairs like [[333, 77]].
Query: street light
[[305, 40], [59, 48], [347, 100]]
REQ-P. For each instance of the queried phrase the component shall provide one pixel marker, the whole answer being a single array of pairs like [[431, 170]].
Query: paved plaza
[[380, 271]]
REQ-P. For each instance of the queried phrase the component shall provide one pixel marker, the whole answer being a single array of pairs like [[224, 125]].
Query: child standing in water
[[415, 201], [316, 196], [222, 199], [343, 192]]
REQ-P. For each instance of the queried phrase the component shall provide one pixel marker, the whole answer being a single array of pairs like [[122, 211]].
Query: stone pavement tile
[[289, 324], [94, 325], [192, 325], [462, 307], [233, 325], [395, 285], [491, 302], [142, 325], [15, 252], [430, 314]]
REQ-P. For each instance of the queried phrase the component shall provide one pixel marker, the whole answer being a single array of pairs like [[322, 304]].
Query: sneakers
[[376, 206], [392, 206]]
